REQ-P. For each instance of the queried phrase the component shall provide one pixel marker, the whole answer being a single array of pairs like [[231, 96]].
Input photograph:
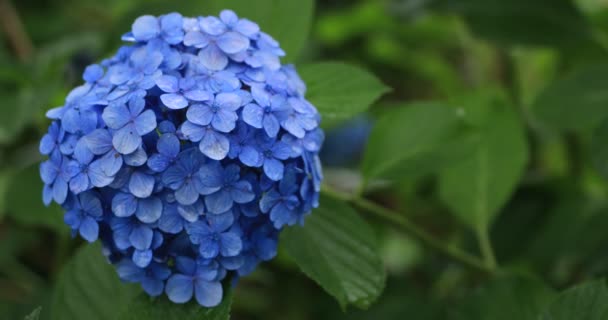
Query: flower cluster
[[186, 153]]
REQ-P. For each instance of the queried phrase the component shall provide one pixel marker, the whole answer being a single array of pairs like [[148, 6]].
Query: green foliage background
[[481, 192]]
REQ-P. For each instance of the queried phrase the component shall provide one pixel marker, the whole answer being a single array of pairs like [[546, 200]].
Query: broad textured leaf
[[289, 22], [575, 102], [599, 149], [506, 298], [414, 138], [23, 199], [538, 22], [475, 188], [340, 91], [89, 288], [337, 249], [143, 307], [585, 302]]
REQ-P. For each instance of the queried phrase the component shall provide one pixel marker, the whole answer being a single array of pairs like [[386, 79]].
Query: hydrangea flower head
[[185, 154]]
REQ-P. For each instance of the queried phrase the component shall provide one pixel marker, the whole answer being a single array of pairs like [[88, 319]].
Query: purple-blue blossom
[[186, 154]]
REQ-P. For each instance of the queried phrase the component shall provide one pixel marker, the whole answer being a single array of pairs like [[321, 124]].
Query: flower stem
[[406, 225], [15, 32], [486, 248]]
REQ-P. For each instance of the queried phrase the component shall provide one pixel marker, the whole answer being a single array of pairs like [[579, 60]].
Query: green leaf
[[585, 302], [144, 307], [35, 315], [535, 23], [599, 149], [289, 22], [506, 298], [340, 91], [24, 202], [89, 288], [479, 185], [413, 138], [338, 250], [575, 102]]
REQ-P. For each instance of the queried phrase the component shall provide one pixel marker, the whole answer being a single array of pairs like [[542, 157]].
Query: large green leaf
[[414, 138], [23, 199], [538, 22], [340, 91], [89, 288], [506, 298], [288, 22], [143, 307], [575, 102], [585, 302], [478, 186], [338, 250]]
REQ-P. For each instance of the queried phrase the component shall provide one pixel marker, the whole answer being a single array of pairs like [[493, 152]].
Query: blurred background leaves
[[495, 119]]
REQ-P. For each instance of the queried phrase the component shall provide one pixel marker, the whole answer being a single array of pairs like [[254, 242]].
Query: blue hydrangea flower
[[186, 154]]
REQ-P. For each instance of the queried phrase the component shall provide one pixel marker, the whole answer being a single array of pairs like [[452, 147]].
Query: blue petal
[[192, 132], [158, 162], [273, 169], [128, 271], [124, 205], [192, 212], [145, 28], [280, 215], [136, 158], [271, 125], [213, 58], [196, 39], [99, 141], [197, 95], [209, 248], [179, 288], [187, 193], [229, 17], [208, 294], [251, 157], [269, 200], [141, 185], [214, 145], [116, 116], [224, 120], [92, 73], [200, 114], [153, 287], [247, 28], [230, 244], [167, 83], [98, 176], [126, 140], [219, 202], [170, 223], [212, 26], [91, 205], [149, 210], [253, 115], [174, 101], [168, 144], [79, 183], [145, 122], [141, 237], [242, 192], [60, 191], [89, 229], [142, 258], [110, 163], [232, 42]]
